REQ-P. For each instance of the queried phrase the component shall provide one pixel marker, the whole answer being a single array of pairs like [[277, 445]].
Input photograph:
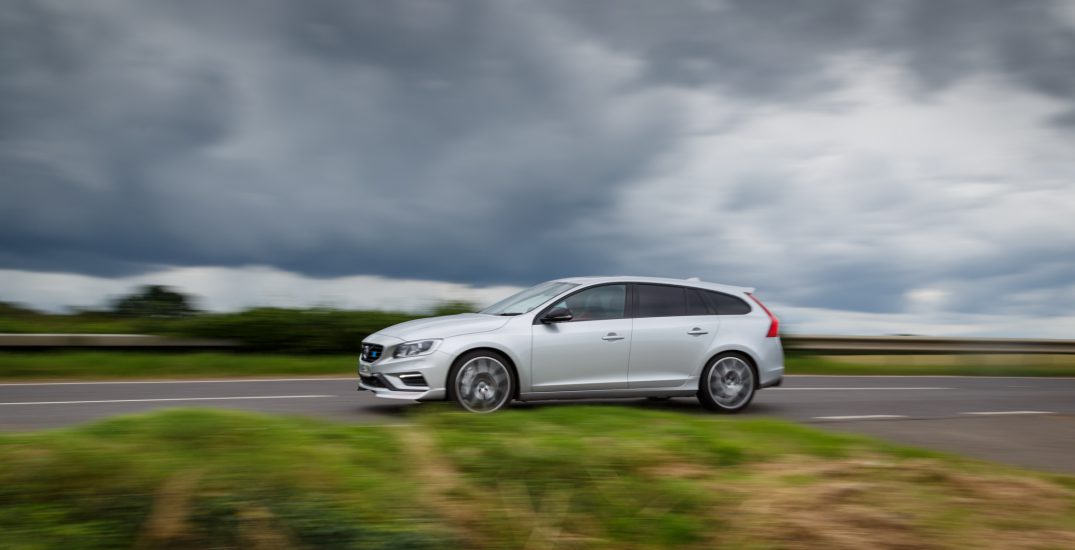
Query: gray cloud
[[502, 142]]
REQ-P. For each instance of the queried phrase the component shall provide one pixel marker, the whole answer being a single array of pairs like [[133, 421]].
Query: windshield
[[526, 300]]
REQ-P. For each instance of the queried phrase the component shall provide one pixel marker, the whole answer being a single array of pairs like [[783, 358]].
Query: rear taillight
[[774, 323]]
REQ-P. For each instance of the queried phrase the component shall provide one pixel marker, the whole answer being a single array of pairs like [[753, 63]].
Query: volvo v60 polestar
[[585, 337]]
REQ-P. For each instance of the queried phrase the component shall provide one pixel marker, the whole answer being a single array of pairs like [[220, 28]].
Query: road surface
[[1022, 421]]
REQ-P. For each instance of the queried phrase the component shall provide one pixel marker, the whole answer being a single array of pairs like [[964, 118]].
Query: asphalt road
[[1022, 421]]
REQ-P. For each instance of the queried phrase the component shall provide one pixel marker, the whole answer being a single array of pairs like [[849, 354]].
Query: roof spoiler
[[743, 289]]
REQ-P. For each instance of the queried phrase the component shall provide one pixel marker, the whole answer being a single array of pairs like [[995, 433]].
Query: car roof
[[693, 282]]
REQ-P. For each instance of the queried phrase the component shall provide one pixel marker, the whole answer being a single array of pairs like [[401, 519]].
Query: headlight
[[418, 347]]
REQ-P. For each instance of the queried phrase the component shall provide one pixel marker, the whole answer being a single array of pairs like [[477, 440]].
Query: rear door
[[671, 334]]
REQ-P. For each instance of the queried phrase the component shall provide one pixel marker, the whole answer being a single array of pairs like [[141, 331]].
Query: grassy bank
[[556, 477], [133, 364]]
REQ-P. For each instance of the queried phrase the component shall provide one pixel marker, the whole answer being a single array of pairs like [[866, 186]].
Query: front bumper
[[380, 386], [419, 378]]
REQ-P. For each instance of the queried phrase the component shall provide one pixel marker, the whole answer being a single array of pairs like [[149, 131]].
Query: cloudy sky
[[871, 167]]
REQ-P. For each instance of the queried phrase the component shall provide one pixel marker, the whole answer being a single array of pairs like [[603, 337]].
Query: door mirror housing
[[557, 315]]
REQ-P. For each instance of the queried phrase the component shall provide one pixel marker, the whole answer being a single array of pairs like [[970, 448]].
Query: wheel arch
[[752, 361], [511, 365]]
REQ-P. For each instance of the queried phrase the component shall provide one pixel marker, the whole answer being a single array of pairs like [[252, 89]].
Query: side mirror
[[557, 315]]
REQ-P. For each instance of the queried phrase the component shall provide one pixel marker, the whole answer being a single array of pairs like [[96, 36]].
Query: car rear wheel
[[728, 383], [482, 381]]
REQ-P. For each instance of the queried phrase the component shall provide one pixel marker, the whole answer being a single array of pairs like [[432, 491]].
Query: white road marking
[[216, 381], [861, 388], [168, 399], [999, 413], [860, 417]]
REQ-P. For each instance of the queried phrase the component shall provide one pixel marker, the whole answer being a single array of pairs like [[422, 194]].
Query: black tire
[[737, 367], [482, 381]]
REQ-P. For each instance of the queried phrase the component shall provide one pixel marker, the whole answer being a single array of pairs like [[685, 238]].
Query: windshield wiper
[[508, 314]]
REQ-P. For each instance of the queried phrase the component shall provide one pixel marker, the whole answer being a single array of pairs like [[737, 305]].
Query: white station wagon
[[585, 337]]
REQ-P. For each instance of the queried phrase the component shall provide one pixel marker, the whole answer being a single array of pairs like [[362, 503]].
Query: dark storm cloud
[[422, 139], [468, 141], [774, 48]]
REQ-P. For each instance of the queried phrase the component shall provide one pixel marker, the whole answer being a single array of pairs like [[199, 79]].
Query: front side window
[[661, 301], [597, 303], [527, 300]]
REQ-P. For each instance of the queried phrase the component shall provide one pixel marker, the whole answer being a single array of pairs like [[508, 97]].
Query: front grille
[[372, 352]]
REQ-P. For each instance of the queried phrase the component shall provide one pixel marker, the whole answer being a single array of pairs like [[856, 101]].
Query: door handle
[[697, 331], [610, 337]]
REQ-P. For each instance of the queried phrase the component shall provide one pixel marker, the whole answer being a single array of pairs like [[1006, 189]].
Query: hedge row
[[289, 330], [261, 329]]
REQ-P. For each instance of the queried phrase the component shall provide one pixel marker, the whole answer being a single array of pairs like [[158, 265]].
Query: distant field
[[557, 477], [137, 364]]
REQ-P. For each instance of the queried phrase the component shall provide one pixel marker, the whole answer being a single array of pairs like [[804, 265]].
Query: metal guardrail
[[104, 341], [822, 344]]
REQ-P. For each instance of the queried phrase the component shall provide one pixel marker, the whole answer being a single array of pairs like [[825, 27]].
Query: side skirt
[[608, 394]]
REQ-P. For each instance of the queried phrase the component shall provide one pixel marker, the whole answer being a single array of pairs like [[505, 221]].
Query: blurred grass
[[201, 479], [545, 477]]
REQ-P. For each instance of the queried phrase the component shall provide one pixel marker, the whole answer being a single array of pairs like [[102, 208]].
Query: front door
[[589, 352]]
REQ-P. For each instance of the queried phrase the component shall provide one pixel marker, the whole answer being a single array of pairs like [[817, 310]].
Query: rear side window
[[725, 304], [660, 301]]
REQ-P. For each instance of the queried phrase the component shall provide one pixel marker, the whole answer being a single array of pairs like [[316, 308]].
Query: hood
[[445, 327]]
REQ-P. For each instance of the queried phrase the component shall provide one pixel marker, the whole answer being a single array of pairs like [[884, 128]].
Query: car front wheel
[[482, 381], [728, 383]]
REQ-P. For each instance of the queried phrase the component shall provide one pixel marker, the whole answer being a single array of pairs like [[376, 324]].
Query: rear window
[[725, 304], [660, 301]]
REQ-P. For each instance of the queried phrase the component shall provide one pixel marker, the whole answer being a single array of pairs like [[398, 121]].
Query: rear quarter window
[[725, 304]]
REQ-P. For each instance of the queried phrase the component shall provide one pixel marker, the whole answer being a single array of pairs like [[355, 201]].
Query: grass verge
[[925, 365], [546, 477]]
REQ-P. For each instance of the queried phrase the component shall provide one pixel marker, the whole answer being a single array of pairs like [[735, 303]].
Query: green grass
[[200, 479], [133, 364], [544, 477], [952, 365]]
